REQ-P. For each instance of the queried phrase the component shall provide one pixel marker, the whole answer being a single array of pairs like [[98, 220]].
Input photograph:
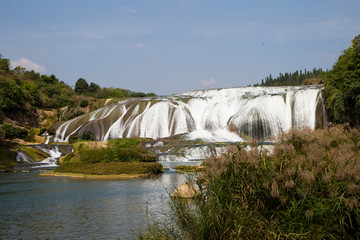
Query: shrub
[[30, 137], [12, 132], [86, 136], [84, 103]]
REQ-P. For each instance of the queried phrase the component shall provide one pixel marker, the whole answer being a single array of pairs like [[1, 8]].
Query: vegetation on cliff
[[308, 187]]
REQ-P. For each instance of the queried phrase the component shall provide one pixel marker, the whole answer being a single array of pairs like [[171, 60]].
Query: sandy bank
[[93, 176]]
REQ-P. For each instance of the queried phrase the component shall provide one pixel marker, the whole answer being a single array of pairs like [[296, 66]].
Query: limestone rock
[[186, 190]]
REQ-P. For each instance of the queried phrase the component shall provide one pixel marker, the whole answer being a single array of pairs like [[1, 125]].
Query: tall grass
[[308, 187]]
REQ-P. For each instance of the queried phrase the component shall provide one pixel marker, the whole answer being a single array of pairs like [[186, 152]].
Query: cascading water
[[50, 155], [51, 161], [222, 115]]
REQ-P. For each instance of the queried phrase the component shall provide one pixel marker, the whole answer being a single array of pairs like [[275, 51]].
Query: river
[[39, 207]]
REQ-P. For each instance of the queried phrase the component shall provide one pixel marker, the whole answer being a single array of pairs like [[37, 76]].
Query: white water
[[195, 153], [212, 115], [51, 161]]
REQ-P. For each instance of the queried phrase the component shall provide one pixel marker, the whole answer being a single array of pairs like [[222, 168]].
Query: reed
[[308, 187]]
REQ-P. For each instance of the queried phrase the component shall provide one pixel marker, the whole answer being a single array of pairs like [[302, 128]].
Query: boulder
[[186, 190]]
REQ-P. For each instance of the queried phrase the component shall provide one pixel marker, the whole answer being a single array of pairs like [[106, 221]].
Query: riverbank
[[123, 176]]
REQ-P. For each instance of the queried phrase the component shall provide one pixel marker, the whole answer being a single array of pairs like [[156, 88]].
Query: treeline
[[297, 78], [23, 91], [93, 90]]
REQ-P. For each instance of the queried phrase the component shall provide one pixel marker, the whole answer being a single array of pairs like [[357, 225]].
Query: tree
[[342, 86], [81, 86], [20, 70], [4, 65], [94, 88]]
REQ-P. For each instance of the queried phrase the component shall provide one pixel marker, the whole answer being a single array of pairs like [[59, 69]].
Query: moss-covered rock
[[35, 154]]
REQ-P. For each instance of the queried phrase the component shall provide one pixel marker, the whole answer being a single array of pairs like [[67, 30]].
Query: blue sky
[[173, 46]]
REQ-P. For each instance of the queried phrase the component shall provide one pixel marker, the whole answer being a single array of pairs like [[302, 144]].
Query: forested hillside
[[25, 95]]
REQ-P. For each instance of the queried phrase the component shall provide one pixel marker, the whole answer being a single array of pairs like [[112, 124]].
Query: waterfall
[[220, 115], [49, 154], [51, 161]]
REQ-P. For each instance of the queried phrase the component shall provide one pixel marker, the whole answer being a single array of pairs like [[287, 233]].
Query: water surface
[[38, 207]]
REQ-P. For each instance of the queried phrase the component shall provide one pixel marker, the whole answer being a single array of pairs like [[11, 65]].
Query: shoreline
[[51, 173]]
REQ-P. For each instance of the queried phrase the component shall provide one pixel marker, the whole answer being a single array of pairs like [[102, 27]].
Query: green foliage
[[24, 91], [86, 136], [120, 150], [93, 88], [4, 65], [342, 87], [307, 188], [112, 168], [11, 95], [125, 142], [116, 93], [81, 86], [11, 132], [117, 154], [84, 103], [42, 131], [187, 168], [30, 137], [138, 94]]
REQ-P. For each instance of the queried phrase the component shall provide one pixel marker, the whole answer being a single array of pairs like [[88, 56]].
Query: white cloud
[[140, 46], [130, 10], [29, 65], [205, 82]]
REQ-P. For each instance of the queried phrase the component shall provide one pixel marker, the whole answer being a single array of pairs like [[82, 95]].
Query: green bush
[[86, 136], [30, 137], [4, 65], [84, 103], [11, 132]]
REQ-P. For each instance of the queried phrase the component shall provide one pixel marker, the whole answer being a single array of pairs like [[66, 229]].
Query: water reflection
[[58, 208]]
